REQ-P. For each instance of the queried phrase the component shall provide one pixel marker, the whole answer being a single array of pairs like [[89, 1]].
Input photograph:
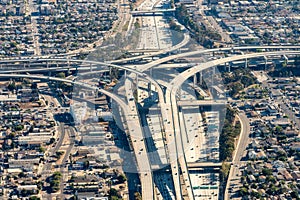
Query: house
[[283, 122], [31, 188], [262, 178], [296, 175], [295, 146], [261, 155], [252, 154], [291, 133], [272, 109], [251, 178], [287, 176]]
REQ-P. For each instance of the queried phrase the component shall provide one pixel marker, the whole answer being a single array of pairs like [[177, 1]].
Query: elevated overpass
[[203, 51], [169, 58], [184, 103], [151, 12], [204, 165], [96, 63], [182, 77]]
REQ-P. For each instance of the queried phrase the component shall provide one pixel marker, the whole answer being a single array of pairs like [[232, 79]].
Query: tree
[[137, 196], [86, 164], [243, 191], [52, 140], [266, 171], [57, 175], [113, 194], [256, 194], [34, 198], [19, 127], [121, 178], [224, 171], [278, 129], [42, 149], [61, 75], [22, 175], [295, 194], [12, 86]]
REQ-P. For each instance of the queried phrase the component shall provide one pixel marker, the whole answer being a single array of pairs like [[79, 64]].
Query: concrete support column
[[232, 50], [137, 81], [179, 93], [200, 77], [91, 69], [149, 90], [195, 80], [266, 62], [125, 74], [229, 66], [286, 59], [246, 63]]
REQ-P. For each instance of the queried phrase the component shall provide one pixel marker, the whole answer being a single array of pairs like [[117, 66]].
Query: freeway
[[171, 103], [185, 40], [171, 99], [172, 106], [172, 149], [138, 143], [67, 60]]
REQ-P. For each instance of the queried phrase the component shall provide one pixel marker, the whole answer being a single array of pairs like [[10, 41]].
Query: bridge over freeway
[[151, 12], [184, 103], [204, 165]]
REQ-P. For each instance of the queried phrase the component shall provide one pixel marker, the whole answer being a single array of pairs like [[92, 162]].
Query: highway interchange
[[169, 113], [181, 146]]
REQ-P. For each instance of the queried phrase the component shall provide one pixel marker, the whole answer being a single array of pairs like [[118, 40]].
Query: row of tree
[[201, 34], [230, 131]]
